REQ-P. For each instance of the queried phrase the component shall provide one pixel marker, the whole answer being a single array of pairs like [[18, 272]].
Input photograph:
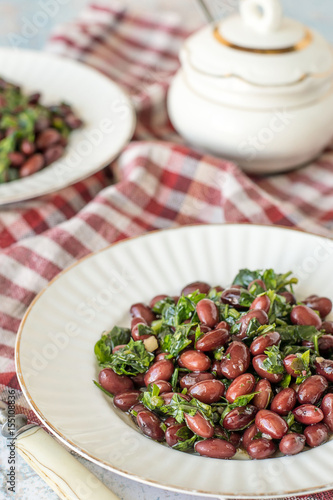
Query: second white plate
[[108, 115]]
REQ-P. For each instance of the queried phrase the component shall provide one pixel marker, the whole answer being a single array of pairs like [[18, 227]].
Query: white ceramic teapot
[[256, 88]]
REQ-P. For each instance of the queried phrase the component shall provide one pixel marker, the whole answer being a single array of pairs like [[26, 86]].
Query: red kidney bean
[[239, 417], [170, 421], [316, 434], [243, 384], [167, 396], [142, 311], [191, 379], [117, 347], [162, 370], [262, 303], [215, 448], [325, 344], [207, 391], [195, 361], [239, 360], [199, 425], [161, 356], [114, 383], [195, 286], [311, 390], [261, 448], [308, 414], [290, 298], [259, 315], [212, 340], [303, 315], [308, 344], [150, 425], [249, 434], [216, 367], [260, 344], [222, 325], [156, 299], [235, 438], [257, 363], [139, 380], [137, 408], [231, 296], [32, 165], [284, 401], [321, 304], [327, 326], [271, 423], [163, 386], [218, 288], [288, 362], [28, 148], [208, 312], [16, 159], [134, 328], [125, 400], [327, 409], [53, 153], [324, 367], [171, 434], [73, 121], [292, 443], [34, 98], [47, 138], [258, 282], [262, 399]]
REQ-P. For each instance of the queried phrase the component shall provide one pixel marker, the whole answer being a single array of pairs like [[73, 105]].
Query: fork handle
[[59, 469]]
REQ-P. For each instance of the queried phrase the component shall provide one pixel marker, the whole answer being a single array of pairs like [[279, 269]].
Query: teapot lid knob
[[263, 16]]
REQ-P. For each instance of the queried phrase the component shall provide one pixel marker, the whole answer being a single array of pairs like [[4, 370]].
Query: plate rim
[[67, 442], [15, 198]]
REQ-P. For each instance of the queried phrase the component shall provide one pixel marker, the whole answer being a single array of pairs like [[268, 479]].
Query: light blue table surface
[[14, 16]]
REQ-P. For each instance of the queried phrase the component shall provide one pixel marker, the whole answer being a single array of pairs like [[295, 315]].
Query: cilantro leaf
[[272, 280], [175, 342], [174, 379], [176, 314], [130, 360], [274, 361], [301, 366], [187, 444], [104, 346], [151, 398], [293, 334], [159, 306], [145, 330], [285, 381], [179, 406]]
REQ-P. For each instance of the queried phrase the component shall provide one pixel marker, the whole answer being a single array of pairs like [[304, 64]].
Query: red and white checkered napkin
[[160, 183]]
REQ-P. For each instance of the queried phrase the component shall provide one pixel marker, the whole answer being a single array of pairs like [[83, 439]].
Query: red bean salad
[[32, 136], [218, 370]]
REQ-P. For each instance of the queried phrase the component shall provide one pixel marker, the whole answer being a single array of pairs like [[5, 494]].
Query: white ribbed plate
[[56, 363], [108, 115]]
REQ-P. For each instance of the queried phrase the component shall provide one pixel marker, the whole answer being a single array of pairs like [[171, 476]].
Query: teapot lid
[[260, 46]]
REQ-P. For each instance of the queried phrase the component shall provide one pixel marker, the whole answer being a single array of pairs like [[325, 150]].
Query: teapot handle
[[263, 16]]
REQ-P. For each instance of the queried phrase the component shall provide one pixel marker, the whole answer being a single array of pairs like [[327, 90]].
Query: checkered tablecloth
[[157, 182]]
